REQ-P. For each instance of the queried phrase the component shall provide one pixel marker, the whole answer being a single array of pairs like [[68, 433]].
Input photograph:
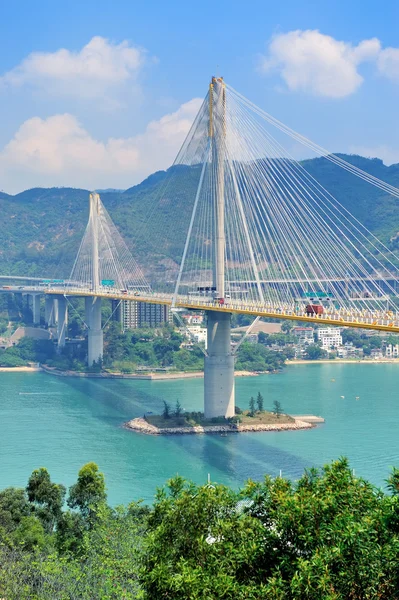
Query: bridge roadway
[[344, 317]]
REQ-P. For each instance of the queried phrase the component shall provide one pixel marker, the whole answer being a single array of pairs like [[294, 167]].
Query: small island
[[180, 422]]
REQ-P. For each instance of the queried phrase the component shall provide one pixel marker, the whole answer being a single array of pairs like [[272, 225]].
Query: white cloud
[[388, 63], [388, 155], [90, 72], [312, 62], [59, 151]]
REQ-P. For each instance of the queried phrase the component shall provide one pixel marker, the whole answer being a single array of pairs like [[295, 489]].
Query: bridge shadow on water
[[243, 456], [114, 400], [237, 457]]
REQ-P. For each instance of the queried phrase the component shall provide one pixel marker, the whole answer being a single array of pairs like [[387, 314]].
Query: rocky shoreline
[[147, 376], [140, 425]]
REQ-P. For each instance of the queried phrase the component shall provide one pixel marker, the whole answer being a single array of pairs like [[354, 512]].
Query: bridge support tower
[[50, 304], [219, 399], [95, 332], [219, 367], [93, 303]]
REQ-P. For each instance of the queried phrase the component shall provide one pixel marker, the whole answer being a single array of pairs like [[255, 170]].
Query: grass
[[195, 419], [264, 418]]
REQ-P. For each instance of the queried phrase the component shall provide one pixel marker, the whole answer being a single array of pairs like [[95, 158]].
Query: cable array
[[116, 267], [287, 241]]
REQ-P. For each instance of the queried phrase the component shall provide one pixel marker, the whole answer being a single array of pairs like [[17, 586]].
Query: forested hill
[[41, 229]]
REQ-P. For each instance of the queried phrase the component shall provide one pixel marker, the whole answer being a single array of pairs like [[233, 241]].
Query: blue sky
[[100, 94]]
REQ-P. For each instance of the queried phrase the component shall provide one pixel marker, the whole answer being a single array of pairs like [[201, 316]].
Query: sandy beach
[[145, 376], [344, 361], [20, 369]]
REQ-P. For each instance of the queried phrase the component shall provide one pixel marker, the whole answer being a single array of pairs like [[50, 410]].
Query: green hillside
[[41, 229]]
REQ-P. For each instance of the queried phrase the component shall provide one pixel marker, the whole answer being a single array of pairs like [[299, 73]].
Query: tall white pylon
[[219, 361], [94, 226]]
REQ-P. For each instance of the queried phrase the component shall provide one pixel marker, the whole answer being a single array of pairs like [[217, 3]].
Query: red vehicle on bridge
[[314, 309]]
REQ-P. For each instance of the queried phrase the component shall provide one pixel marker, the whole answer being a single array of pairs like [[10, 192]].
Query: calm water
[[61, 423]]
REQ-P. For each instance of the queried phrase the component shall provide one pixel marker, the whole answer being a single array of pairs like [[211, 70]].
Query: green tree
[[46, 496], [324, 537], [178, 409], [30, 533], [259, 402], [277, 409], [314, 352], [14, 506], [88, 493], [252, 407], [166, 410]]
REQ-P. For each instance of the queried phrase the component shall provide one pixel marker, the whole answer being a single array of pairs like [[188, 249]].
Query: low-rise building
[[304, 335], [196, 333], [349, 351]]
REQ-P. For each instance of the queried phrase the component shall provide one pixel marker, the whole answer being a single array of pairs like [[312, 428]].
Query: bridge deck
[[361, 319]]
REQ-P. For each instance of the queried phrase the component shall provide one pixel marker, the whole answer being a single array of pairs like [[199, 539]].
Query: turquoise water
[[61, 423]]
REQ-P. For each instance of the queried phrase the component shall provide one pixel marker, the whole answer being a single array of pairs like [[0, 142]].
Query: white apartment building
[[329, 337], [392, 351]]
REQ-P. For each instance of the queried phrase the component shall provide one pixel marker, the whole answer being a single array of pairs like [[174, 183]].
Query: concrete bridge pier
[[50, 305], [34, 305], [62, 321], [95, 332], [116, 310], [219, 397]]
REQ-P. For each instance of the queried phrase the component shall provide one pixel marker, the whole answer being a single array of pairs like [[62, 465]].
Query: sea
[[63, 423]]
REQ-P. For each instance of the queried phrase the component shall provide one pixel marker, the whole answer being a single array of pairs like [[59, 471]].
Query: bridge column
[[116, 310], [49, 310], [95, 333], [34, 303], [219, 397], [62, 321]]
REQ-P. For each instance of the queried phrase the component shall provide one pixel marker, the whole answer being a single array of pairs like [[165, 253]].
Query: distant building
[[329, 337], [304, 335], [349, 351], [196, 333], [135, 315], [392, 351], [193, 319]]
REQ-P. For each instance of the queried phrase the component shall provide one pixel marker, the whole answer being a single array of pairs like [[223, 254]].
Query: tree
[[277, 409], [286, 326], [252, 407], [314, 352], [166, 410], [322, 537], [88, 493], [47, 497], [178, 409], [29, 533], [14, 506], [259, 402]]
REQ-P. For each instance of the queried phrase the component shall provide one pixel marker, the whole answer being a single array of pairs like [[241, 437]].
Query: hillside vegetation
[[328, 536], [42, 228]]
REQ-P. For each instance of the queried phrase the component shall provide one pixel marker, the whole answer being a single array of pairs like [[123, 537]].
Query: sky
[[100, 94]]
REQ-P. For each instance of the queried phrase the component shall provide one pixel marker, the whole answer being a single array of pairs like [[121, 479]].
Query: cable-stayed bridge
[[264, 238]]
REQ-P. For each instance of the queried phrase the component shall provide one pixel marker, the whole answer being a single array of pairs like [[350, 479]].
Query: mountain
[[41, 229]]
